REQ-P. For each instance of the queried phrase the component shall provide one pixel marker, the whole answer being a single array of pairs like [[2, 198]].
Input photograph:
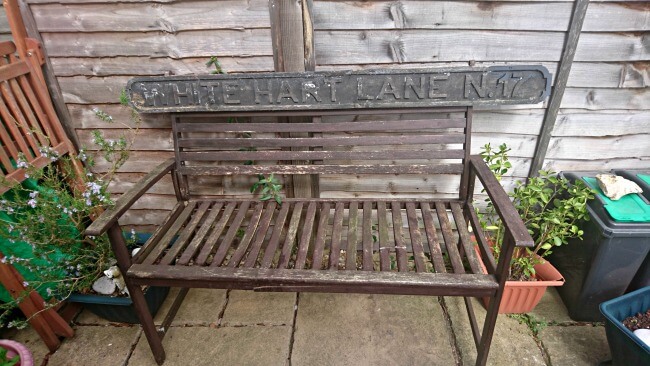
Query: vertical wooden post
[[293, 51], [564, 68]]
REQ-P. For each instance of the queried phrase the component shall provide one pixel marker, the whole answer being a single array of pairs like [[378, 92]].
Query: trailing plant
[[550, 206], [43, 219], [5, 360]]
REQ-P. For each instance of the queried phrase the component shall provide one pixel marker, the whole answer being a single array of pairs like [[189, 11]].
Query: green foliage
[[4, 359], [551, 208], [44, 219], [270, 188], [214, 61], [535, 325]]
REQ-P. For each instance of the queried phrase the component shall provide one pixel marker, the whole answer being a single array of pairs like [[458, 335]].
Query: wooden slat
[[274, 241], [416, 238], [219, 227], [318, 281], [353, 239], [468, 247], [230, 170], [398, 125], [260, 235], [226, 243], [321, 233], [245, 241], [28, 115], [337, 230], [7, 141], [189, 229], [195, 244], [14, 122], [486, 254], [366, 228], [7, 48], [385, 244], [158, 233], [305, 237], [233, 142], [13, 70], [448, 235], [318, 155], [43, 118], [400, 244], [432, 238], [292, 231], [157, 251]]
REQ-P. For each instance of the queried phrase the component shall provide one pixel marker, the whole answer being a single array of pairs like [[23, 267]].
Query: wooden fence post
[[293, 51]]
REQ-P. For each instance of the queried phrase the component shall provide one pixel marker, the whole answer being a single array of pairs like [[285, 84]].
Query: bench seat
[[316, 245]]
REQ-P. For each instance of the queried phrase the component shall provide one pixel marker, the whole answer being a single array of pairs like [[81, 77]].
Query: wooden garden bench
[[234, 126]]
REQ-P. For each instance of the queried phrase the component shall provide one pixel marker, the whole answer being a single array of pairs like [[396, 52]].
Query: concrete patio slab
[[31, 339], [347, 329], [512, 344], [251, 345], [575, 345], [200, 307], [97, 346], [551, 309], [268, 308]]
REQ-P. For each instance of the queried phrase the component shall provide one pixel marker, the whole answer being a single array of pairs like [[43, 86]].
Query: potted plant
[[14, 353], [552, 210], [43, 219]]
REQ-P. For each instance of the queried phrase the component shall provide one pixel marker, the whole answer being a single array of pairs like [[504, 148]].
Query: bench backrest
[[426, 142], [363, 122]]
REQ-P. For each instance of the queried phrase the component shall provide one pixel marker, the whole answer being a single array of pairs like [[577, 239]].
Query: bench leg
[[146, 320], [488, 331]]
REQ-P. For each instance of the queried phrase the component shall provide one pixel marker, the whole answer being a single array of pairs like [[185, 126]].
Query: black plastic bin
[[602, 265], [642, 277], [627, 349]]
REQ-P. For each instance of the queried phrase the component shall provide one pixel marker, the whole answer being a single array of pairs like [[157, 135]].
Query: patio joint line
[[223, 309], [136, 340], [293, 328], [453, 341]]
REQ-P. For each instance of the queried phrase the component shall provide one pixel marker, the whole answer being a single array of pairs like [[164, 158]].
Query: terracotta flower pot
[[15, 348], [523, 296]]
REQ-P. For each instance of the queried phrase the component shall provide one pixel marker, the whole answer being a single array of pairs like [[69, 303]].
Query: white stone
[[104, 286], [116, 276], [615, 186], [135, 251], [644, 335]]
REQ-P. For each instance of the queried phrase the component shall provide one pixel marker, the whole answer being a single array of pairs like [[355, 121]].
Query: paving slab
[[200, 307], [575, 345], [551, 309], [269, 308], [96, 345], [512, 344], [347, 329], [32, 340], [196, 346]]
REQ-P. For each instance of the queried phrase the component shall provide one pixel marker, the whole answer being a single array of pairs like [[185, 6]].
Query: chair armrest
[[502, 204], [110, 216]]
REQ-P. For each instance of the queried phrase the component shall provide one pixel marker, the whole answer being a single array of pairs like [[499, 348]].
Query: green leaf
[[557, 240], [546, 246]]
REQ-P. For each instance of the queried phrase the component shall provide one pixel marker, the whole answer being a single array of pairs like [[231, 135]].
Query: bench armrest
[[110, 216], [502, 204]]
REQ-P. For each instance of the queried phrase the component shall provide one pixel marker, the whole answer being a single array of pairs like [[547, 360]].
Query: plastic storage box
[[627, 349], [602, 265]]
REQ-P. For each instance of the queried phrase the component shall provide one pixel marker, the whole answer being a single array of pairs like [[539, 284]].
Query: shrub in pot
[[43, 219], [552, 210]]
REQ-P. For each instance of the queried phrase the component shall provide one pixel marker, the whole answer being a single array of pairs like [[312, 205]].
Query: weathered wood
[[366, 227], [111, 215], [233, 229], [306, 236], [337, 228], [386, 246], [321, 233], [219, 227], [555, 100], [244, 242], [190, 251], [275, 155], [325, 281], [432, 238], [463, 234], [321, 169], [292, 231], [352, 238], [260, 235], [416, 238], [170, 18], [400, 244], [607, 99], [274, 241], [181, 242]]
